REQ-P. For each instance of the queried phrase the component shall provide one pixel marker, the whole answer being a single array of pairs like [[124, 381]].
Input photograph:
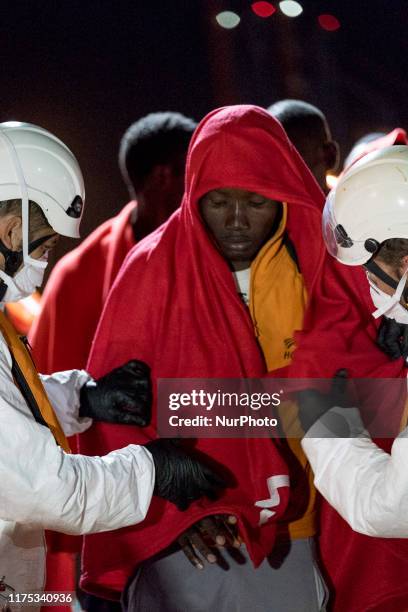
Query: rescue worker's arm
[[121, 396], [367, 486], [63, 390], [42, 485]]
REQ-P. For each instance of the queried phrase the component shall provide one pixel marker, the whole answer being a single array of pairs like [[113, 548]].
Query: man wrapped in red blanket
[[184, 317]]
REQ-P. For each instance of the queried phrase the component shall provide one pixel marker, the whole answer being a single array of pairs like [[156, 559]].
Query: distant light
[[290, 8], [331, 180], [263, 9], [228, 19], [31, 304], [329, 22]]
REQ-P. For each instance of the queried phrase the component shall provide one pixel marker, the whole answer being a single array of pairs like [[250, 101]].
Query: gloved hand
[[122, 396], [181, 478], [313, 403], [392, 338]]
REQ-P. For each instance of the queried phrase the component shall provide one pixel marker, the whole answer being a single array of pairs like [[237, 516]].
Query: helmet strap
[[371, 266]]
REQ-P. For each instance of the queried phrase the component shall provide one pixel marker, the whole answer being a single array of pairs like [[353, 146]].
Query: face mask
[[389, 304], [24, 283]]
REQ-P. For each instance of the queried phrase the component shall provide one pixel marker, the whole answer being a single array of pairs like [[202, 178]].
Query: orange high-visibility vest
[[27, 380]]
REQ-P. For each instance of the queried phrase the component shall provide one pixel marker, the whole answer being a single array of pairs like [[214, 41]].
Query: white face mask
[[389, 304], [25, 282]]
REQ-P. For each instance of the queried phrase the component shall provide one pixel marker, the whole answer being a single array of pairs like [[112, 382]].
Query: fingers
[[227, 527], [199, 544], [230, 525], [213, 530], [193, 544], [188, 550], [220, 530]]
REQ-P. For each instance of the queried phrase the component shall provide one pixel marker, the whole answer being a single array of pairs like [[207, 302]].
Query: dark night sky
[[87, 69]]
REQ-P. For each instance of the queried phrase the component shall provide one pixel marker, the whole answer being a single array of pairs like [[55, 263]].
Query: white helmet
[[37, 166], [368, 205]]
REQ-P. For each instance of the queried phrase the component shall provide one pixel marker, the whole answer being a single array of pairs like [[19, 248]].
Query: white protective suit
[[42, 487], [366, 485]]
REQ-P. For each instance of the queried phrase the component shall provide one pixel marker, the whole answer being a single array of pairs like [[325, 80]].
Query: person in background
[[308, 129]]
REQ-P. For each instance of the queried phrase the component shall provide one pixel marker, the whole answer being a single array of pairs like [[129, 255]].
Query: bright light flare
[[331, 180], [228, 19], [263, 9], [290, 8]]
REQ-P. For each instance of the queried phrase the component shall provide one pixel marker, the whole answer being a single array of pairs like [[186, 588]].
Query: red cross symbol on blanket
[[274, 483]]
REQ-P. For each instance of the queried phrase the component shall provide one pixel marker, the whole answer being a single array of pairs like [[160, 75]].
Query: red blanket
[[175, 306]]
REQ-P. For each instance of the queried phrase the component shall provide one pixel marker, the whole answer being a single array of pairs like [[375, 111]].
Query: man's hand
[[180, 477], [207, 536], [313, 403], [392, 338], [123, 396]]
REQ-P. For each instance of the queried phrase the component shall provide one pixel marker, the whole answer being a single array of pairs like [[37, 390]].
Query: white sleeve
[[42, 485], [63, 391], [366, 485]]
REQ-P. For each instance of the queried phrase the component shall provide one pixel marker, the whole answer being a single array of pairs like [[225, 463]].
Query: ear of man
[[10, 232]]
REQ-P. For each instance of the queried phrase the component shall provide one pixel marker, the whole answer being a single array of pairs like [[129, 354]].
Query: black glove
[[313, 404], [123, 396], [392, 338], [181, 478]]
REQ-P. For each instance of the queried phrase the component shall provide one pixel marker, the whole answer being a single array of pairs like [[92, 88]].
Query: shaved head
[[308, 129]]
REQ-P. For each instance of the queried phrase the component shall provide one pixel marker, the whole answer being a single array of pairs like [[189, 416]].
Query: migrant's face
[[240, 222]]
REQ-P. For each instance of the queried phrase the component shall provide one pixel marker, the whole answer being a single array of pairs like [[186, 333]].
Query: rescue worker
[[42, 485], [339, 332], [366, 224]]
